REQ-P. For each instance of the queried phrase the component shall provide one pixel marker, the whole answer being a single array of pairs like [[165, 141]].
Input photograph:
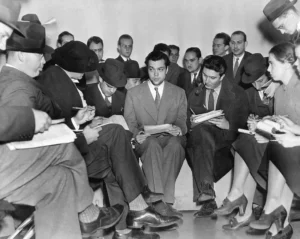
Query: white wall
[[182, 22]]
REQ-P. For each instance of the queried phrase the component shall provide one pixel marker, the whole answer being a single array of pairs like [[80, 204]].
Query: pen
[[77, 108], [192, 111]]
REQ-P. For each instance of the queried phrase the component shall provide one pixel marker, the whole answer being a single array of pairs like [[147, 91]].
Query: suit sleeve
[[17, 123], [182, 113], [129, 114]]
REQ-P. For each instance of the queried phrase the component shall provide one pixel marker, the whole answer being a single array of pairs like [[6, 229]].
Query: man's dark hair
[[224, 36], [61, 35], [95, 40], [157, 56], [174, 47], [196, 50], [215, 63], [162, 47], [124, 36], [240, 33]]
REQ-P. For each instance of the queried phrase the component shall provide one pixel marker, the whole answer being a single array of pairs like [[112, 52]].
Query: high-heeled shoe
[[235, 225], [265, 221], [228, 206], [286, 233]]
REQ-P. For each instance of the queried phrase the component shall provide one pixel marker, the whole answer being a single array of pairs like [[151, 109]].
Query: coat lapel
[[148, 102], [225, 96], [165, 103]]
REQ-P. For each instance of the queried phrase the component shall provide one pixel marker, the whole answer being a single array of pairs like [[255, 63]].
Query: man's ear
[[118, 49], [167, 70], [222, 77], [21, 56], [200, 60], [246, 44], [227, 47]]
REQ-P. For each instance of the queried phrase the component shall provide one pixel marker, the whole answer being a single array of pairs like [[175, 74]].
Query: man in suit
[[105, 96], [33, 176], [220, 45], [125, 45], [190, 79], [158, 102], [174, 54], [133, 74], [235, 60], [95, 44], [107, 150], [211, 140]]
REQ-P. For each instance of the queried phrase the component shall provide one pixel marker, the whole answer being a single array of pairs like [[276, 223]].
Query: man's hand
[[91, 112], [285, 123], [96, 121], [251, 123], [220, 122], [42, 121], [261, 139], [91, 134], [287, 140], [84, 115], [141, 137], [175, 131]]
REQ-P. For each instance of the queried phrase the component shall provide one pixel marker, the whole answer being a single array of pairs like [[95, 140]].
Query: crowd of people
[[96, 182]]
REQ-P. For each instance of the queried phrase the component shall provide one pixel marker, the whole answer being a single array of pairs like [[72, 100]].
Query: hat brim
[[249, 79], [13, 26], [118, 84]]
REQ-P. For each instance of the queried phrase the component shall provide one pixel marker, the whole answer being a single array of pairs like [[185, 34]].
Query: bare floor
[[206, 228]]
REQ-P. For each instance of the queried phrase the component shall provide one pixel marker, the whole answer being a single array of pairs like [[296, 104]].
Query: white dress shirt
[[152, 90], [215, 94], [124, 58], [109, 98], [192, 75]]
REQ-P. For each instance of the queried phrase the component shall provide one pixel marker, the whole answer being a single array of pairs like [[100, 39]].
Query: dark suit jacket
[[18, 89], [17, 123], [185, 82], [229, 73], [140, 108], [93, 97], [119, 58], [256, 106], [232, 100]]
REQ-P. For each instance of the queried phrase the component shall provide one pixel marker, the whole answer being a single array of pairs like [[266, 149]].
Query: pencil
[[192, 111], [77, 108]]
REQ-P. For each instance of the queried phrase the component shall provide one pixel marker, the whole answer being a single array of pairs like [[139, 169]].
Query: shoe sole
[[140, 225], [88, 235]]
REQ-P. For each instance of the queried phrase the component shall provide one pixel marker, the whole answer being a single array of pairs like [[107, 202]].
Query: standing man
[[158, 102], [235, 60], [63, 38], [211, 141], [188, 80], [174, 54], [96, 45], [221, 44], [125, 45]]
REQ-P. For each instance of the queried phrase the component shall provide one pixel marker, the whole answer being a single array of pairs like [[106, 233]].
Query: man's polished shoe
[[149, 217], [108, 217], [151, 197], [135, 234], [166, 210], [229, 206], [207, 209]]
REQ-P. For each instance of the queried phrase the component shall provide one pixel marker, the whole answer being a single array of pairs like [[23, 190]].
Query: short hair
[[61, 35], [162, 47], [157, 56], [284, 52], [224, 36], [95, 40], [196, 50], [174, 47], [240, 33], [215, 63], [124, 36]]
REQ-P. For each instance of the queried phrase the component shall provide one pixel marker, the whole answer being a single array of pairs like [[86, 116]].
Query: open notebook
[[207, 116], [56, 134]]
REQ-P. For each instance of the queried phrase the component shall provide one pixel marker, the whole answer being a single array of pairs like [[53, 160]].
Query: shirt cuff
[[76, 126]]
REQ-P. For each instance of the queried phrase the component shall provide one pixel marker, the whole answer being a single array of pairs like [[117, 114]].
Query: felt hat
[[275, 8], [74, 56], [254, 67], [132, 69], [9, 13], [112, 72]]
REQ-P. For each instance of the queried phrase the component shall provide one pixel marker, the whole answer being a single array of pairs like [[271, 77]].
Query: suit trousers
[[204, 142], [162, 159], [54, 180], [114, 161]]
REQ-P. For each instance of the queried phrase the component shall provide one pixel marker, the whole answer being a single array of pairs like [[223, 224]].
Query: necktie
[[195, 84], [211, 101], [157, 98], [236, 66]]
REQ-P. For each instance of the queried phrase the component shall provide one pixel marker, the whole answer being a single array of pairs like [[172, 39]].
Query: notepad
[[56, 134], [207, 116], [157, 129], [115, 119]]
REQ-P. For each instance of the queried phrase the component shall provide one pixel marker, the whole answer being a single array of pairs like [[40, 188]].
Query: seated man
[[105, 96], [132, 72], [107, 151], [208, 139], [157, 102]]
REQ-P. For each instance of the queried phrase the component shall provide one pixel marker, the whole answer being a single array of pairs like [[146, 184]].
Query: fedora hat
[[275, 8], [254, 67], [112, 72], [132, 69], [9, 13]]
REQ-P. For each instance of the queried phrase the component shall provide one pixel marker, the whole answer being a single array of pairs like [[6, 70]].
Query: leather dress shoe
[[151, 197], [108, 217], [167, 210], [286, 233], [207, 209], [235, 225], [135, 234], [149, 217], [229, 206]]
